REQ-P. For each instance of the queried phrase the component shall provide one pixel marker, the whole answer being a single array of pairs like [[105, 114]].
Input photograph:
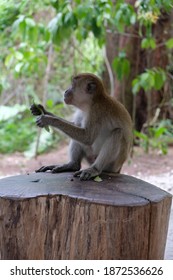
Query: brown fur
[[101, 132]]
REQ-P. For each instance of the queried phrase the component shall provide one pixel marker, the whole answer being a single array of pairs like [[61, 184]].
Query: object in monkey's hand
[[101, 131], [37, 110]]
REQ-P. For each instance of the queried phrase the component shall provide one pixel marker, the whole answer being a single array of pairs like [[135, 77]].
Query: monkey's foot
[[59, 168], [87, 174]]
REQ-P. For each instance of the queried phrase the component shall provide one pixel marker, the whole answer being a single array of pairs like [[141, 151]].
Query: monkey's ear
[[91, 87]]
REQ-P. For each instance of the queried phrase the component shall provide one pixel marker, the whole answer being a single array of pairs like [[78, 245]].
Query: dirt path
[[158, 169]]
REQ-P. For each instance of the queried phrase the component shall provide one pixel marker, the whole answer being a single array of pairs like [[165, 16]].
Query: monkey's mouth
[[68, 100]]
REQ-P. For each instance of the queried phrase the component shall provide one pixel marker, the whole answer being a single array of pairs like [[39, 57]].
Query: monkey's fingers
[[84, 175], [45, 168], [37, 110], [87, 174], [41, 121], [77, 173]]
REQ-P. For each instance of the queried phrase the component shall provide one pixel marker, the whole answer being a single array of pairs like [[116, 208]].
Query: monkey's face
[[81, 93]]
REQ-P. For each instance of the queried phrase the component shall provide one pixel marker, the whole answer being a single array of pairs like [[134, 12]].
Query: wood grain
[[56, 216]]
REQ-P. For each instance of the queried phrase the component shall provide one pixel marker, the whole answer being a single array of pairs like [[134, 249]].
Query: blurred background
[[43, 43]]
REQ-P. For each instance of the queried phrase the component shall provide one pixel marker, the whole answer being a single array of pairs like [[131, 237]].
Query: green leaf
[[47, 35], [125, 67], [124, 15], [49, 103], [17, 22], [160, 78], [115, 64], [141, 135], [82, 11], [148, 43], [54, 24], [97, 30], [30, 22], [145, 43], [136, 86], [70, 20], [152, 43], [133, 19], [9, 60], [121, 65], [18, 67], [98, 179], [169, 43], [147, 80], [23, 29], [33, 34], [117, 67], [18, 55], [160, 131]]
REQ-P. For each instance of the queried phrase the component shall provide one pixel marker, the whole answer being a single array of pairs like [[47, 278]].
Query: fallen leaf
[[98, 179]]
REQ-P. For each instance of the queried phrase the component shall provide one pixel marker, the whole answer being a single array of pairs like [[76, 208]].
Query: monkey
[[101, 131]]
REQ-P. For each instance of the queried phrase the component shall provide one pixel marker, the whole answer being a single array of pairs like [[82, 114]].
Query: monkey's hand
[[37, 109], [87, 174], [42, 121]]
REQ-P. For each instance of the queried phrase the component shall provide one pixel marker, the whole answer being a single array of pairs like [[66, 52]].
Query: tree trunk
[[142, 105], [46, 216]]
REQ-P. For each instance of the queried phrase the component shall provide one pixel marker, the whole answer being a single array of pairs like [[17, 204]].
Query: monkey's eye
[[91, 87]]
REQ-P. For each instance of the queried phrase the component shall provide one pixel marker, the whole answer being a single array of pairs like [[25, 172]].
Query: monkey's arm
[[82, 135]]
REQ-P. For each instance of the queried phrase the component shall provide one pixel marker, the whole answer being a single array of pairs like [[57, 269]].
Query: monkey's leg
[[76, 155], [110, 159]]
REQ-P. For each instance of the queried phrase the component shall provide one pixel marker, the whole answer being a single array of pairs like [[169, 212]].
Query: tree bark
[[139, 106], [46, 216]]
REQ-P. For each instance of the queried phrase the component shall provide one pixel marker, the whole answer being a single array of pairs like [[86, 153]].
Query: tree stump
[[56, 216]]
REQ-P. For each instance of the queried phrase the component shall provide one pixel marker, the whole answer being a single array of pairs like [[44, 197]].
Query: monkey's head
[[84, 89]]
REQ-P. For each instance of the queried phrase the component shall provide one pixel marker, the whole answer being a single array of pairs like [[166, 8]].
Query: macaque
[[101, 132]]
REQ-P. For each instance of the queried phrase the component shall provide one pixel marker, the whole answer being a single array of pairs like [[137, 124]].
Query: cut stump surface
[[56, 216]]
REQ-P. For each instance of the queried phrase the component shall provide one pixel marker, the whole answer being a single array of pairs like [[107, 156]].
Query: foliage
[[18, 132], [45, 42], [16, 129], [157, 137], [121, 65], [151, 79], [124, 15]]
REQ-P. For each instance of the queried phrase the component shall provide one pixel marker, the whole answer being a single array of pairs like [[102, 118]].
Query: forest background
[[43, 43]]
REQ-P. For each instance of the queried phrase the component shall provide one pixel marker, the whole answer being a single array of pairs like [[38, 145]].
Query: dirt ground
[[140, 165], [154, 168]]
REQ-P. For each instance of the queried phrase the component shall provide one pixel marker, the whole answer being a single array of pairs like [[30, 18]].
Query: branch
[[45, 86], [111, 77]]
